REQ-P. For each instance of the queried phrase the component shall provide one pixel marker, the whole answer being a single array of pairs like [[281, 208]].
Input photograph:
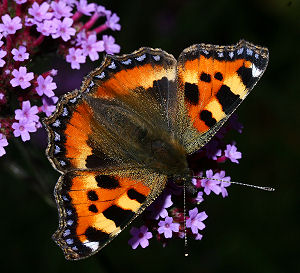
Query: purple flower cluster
[[166, 217], [26, 26]]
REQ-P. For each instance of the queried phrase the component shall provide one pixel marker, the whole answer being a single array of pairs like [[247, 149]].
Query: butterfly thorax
[[168, 157]]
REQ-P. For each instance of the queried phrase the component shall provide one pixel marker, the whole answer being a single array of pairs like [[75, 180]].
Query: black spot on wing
[[227, 98], [93, 234], [134, 195], [93, 208], [205, 77], [218, 76], [118, 215], [246, 76], [191, 93], [92, 195], [107, 182], [207, 117]]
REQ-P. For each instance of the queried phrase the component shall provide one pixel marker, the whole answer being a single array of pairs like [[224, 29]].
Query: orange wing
[[94, 206], [212, 82]]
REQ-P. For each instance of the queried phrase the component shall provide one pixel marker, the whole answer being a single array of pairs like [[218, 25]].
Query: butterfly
[[131, 126]]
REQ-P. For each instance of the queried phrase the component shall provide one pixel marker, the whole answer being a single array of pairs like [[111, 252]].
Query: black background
[[251, 230]]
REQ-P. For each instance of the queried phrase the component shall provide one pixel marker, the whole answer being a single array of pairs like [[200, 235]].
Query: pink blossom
[[47, 27], [85, 8], [102, 11], [10, 26], [223, 183], [23, 128], [45, 86], [112, 22], [61, 9], [91, 47], [109, 44], [75, 57], [194, 222], [167, 227], [40, 12], [48, 106], [21, 77], [3, 143], [64, 29], [210, 184], [232, 153], [19, 2], [20, 54], [140, 237], [158, 207], [2, 54], [27, 112]]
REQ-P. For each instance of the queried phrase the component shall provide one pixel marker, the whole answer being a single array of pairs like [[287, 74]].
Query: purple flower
[[27, 112], [140, 237], [194, 222], [102, 11], [48, 106], [20, 54], [167, 226], [75, 57], [45, 86], [85, 8], [64, 29], [23, 128], [91, 47], [19, 2], [21, 77], [199, 197], [158, 207], [47, 27], [109, 44], [223, 185], [112, 21], [198, 237], [2, 54], [232, 153], [10, 26], [210, 185], [1, 42], [40, 12], [3, 143], [61, 9]]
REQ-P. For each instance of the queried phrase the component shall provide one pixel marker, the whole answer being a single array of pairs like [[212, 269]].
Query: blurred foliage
[[251, 230]]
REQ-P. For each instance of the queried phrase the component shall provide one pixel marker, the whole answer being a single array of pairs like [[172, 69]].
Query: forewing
[[128, 100], [212, 82], [94, 206]]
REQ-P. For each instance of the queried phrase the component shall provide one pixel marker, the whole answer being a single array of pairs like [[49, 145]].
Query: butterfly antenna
[[184, 221], [238, 183]]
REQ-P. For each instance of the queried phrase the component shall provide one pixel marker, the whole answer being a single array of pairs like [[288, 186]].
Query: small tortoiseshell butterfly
[[130, 127]]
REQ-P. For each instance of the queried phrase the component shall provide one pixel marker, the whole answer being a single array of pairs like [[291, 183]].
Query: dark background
[[251, 230]]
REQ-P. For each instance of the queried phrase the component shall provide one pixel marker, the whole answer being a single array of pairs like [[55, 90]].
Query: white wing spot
[[65, 112], [240, 51], [69, 241], [57, 149], [101, 76], [231, 54], [255, 71], [205, 52], [256, 56], [66, 232], [141, 58], [73, 100], [220, 54], [70, 222], [92, 245], [74, 248], [91, 84], [112, 65], [62, 163], [249, 52], [127, 62], [156, 58], [56, 136], [65, 198], [56, 123], [69, 212]]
